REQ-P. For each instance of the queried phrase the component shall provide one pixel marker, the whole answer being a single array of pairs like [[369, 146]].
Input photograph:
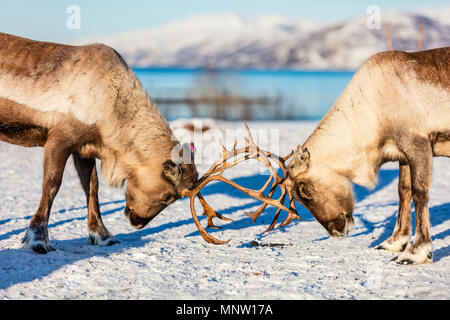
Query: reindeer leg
[[56, 152], [400, 238], [420, 162], [87, 172]]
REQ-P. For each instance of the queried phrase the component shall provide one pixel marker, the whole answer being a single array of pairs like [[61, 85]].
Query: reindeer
[[395, 108], [86, 102]]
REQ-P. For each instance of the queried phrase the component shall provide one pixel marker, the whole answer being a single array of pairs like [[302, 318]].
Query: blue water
[[305, 94]]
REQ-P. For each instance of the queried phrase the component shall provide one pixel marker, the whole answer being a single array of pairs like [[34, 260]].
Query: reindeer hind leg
[[420, 160], [87, 172]]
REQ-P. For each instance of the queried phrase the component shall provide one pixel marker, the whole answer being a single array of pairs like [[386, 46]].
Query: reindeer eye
[[303, 192], [167, 198]]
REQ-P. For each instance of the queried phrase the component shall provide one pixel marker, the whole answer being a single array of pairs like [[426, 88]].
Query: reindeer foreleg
[[56, 152]]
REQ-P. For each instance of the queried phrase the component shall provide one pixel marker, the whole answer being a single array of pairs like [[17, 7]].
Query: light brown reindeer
[[86, 102], [396, 108]]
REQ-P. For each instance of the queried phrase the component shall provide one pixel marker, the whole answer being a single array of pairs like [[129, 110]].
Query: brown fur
[[86, 101], [396, 108]]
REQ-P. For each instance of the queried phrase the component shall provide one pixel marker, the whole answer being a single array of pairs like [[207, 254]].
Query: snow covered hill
[[232, 41]]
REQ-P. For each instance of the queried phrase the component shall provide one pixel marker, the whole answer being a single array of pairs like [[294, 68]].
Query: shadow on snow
[[70, 251]]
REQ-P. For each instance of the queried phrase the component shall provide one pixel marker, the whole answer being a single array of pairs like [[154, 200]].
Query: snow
[[168, 259]]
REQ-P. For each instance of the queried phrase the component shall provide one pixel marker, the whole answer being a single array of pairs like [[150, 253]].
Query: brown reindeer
[[86, 102], [396, 108]]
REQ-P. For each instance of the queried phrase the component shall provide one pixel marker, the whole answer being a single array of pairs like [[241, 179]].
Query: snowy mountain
[[232, 41]]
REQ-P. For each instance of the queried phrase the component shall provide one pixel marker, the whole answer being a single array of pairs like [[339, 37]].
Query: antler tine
[[210, 213], [263, 155], [221, 165], [255, 194], [217, 168], [287, 220], [281, 163], [278, 181], [277, 214], [206, 236], [255, 214], [290, 216], [219, 162], [215, 173]]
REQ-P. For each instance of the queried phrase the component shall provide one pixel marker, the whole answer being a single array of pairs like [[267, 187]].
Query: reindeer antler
[[215, 173]]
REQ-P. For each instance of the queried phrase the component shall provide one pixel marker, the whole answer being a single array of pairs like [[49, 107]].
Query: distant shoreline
[[243, 70]]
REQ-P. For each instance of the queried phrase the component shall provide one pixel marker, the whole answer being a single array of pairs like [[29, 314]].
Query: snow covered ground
[[168, 259]]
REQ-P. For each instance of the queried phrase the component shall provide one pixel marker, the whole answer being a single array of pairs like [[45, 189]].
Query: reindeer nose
[[126, 212], [135, 221], [350, 222]]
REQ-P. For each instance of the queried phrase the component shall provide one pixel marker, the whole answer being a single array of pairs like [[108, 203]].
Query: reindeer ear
[[171, 171], [192, 150], [304, 156], [300, 162], [187, 153], [301, 156]]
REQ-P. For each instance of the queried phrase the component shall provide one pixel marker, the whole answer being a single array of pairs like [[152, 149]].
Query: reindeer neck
[[346, 139], [135, 127], [136, 138]]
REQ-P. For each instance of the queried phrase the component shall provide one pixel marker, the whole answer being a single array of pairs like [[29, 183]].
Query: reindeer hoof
[[416, 255], [36, 239], [405, 261], [102, 241], [41, 248], [392, 245]]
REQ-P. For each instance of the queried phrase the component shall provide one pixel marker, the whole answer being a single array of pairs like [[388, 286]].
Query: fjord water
[[304, 94]]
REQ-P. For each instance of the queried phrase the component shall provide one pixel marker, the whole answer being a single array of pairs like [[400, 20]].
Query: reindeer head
[[324, 192], [151, 188]]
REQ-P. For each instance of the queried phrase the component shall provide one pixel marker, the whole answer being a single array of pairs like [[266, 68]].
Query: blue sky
[[46, 19]]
